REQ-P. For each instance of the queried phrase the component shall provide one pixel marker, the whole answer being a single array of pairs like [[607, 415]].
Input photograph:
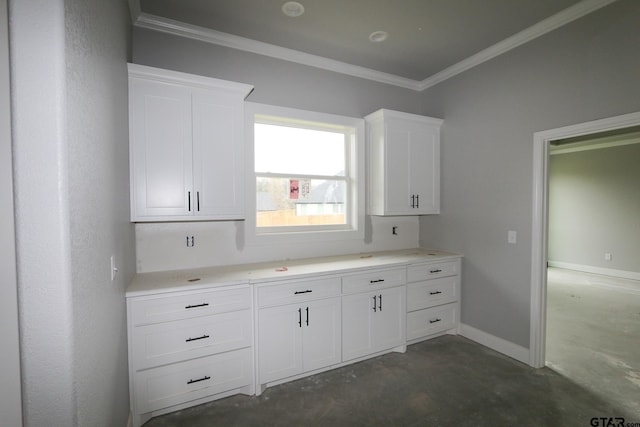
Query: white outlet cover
[[512, 237]]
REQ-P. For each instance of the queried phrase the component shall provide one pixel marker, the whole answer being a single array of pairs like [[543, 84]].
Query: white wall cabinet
[[301, 336], [404, 163], [186, 146], [373, 320]]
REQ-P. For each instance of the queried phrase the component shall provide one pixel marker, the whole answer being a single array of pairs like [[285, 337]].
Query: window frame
[[354, 174]]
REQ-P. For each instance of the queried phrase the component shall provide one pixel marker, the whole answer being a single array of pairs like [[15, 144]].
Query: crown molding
[[543, 27], [195, 32], [170, 26]]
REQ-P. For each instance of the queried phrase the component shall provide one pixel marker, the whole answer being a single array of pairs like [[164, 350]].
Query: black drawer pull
[[376, 281], [435, 271], [197, 338], [435, 292], [204, 304], [308, 291], [435, 320], [375, 303], [198, 380]]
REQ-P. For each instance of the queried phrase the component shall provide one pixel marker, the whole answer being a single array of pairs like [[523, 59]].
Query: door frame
[[540, 231]]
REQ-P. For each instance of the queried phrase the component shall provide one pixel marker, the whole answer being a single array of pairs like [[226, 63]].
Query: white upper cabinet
[[404, 163], [186, 146]]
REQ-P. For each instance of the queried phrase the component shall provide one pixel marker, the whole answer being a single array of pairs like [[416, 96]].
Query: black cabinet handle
[[380, 303], [413, 201], [300, 317], [375, 303], [198, 200], [308, 291], [435, 292], [196, 339], [198, 380], [204, 304], [417, 200], [307, 316], [437, 270], [189, 197], [435, 320], [376, 281]]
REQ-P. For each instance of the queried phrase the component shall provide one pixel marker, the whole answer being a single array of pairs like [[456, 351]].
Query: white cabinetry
[[186, 146], [187, 348], [404, 163], [433, 299], [373, 310], [298, 324]]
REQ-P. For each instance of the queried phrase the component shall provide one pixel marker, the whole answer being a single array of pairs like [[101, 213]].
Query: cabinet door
[[321, 335], [373, 321], [424, 168], [397, 186], [218, 155], [279, 342], [161, 155], [389, 321], [357, 325]]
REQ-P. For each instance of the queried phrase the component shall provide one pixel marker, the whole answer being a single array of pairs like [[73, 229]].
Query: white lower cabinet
[[372, 322], [298, 338], [433, 295], [296, 332], [373, 318], [189, 347]]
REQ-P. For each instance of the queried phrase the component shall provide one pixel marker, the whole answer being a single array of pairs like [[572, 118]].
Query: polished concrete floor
[[593, 334], [447, 381]]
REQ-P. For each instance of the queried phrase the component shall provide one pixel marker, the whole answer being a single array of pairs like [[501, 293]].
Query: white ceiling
[[429, 40]]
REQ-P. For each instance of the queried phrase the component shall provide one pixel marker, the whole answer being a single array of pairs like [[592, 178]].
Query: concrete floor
[[447, 381], [593, 334]]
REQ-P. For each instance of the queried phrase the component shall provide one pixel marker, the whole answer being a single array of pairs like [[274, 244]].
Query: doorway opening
[[540, 224]]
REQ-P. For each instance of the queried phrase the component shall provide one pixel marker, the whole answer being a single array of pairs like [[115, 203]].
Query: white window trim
[[357, 159]]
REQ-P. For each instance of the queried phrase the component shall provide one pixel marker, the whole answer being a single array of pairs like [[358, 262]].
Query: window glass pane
[[289, 202], [292, 150]]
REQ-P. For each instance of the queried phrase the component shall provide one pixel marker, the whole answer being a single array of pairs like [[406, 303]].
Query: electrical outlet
[[512, 237], [607, 256]]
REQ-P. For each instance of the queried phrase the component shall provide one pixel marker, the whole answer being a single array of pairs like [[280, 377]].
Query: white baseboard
[[623, 274], [500, 345]]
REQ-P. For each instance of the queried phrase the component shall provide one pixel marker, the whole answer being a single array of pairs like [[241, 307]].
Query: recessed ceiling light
[[293, 9], [378, 36]]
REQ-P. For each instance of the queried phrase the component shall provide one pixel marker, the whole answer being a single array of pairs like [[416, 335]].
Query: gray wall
[[276, 82], [594, 207], [10, 391], [69, 99], [584, 71]]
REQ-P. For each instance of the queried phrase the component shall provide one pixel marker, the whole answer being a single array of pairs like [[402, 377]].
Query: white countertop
[[193, 279]]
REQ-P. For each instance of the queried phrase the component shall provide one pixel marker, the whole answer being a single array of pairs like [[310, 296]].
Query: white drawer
[[432, 292], [183, 382], [418, 273], [298, 290], [189, 304], [374, 279], [429, 321], [170, 342]]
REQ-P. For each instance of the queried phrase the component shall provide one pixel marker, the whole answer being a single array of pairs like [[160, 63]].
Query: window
[[306, 171]]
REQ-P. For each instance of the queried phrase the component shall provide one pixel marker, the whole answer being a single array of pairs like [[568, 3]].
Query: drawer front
[[374, 279], [418, 273], [170, 385], [429, 321], [432, 292], [183, 306], [164, 343], [298, 290]]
